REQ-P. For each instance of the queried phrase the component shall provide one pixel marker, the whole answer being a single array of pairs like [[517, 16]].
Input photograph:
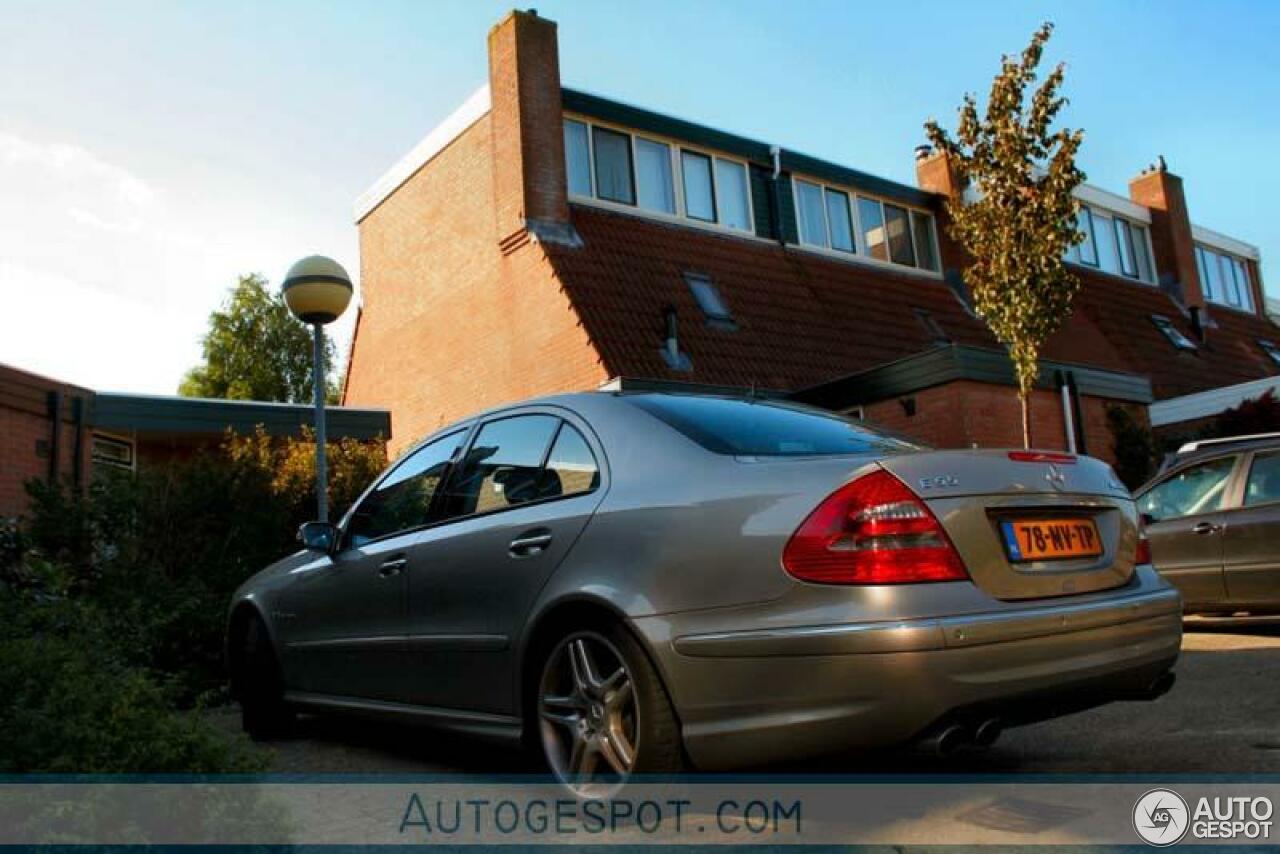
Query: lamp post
[[317, 291]]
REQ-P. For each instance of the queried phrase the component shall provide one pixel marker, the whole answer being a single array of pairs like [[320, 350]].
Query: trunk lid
[[993, 507]]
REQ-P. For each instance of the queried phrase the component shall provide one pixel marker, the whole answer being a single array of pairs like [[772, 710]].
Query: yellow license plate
[[1051, 539]]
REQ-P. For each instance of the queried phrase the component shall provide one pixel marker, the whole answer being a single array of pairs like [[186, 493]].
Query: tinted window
[[1194, 490], [402, 500], [502, 467], [571, 467], [1264, 480], [760, 428], [614, 180]]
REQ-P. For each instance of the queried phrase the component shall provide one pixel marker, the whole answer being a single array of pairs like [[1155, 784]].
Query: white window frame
[[859, 255], [674, 147], [112, 438], [1135, 228], [1225, 263]]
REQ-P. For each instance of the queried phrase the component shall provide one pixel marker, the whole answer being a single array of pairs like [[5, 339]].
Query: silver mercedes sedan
[[638, 582]]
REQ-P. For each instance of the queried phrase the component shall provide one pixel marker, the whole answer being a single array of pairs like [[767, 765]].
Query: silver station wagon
[[642, 582]]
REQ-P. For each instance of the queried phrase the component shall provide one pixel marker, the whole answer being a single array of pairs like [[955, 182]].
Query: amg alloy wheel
[[603, 714]]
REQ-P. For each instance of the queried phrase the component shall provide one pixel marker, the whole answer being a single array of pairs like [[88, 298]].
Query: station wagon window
[[763, 428], [402, 500], [571, 467], [502, 467], [1194, 490], [1264, 480]]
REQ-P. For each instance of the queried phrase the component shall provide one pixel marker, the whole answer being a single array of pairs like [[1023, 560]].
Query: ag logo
[[1161, 817]]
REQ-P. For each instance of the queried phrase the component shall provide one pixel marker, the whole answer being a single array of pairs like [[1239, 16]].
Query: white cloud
[[107, 280]]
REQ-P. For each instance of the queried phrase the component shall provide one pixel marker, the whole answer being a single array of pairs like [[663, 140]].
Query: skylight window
[[707, 295], [1271, 349], [1176, 338]]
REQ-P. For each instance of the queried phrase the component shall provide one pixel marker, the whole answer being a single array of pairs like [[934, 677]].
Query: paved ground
[[1220, 717]]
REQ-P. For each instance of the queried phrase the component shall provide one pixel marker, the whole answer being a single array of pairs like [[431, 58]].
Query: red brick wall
[[1161, 193], [24, 424], [964, 413], [449, 324]]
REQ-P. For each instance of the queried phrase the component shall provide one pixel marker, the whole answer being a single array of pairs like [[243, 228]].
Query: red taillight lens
[[1143, 553], [872, 530], [1042, 457]]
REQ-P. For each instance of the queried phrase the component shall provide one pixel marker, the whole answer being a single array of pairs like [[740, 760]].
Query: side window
[[1196, 489], [571, 467], [503, 466], [403, 499], [1264, 480]]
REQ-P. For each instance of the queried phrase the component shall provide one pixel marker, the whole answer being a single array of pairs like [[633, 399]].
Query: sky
[[151, 152]]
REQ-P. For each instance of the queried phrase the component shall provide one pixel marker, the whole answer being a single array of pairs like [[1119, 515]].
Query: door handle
[[392, 568], [530, 543], [1204, 528]]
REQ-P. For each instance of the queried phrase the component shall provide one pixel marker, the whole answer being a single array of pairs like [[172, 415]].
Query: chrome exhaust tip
[[945, 740], [987, 732]]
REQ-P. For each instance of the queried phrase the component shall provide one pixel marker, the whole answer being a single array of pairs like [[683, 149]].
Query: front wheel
[[263, 712], [603, 713]]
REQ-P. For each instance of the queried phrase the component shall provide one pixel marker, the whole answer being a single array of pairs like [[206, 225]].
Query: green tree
[[1021, 220], [256, 350]]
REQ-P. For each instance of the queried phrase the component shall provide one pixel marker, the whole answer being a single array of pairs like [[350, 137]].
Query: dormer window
[[1113, 244], [1175, 336], [612, 165], [830, 218], [1224, 278]]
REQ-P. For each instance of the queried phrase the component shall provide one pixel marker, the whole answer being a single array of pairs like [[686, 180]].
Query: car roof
[[1209, 449]]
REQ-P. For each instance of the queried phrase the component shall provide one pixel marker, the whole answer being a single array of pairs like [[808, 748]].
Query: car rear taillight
[[872, 530], [1142, 554]]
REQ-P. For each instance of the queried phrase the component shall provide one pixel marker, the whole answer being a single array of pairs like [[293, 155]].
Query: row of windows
[[633, 170], [1224, 278], [512, 461], [873, 228], [1113, 244]]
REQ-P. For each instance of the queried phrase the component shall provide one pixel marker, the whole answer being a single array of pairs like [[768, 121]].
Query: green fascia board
[[616, 112], [947, 364], [160, 414]]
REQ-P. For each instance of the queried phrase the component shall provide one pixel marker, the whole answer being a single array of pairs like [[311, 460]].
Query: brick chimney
[[530, 192], [935, 173], [1160, 191]]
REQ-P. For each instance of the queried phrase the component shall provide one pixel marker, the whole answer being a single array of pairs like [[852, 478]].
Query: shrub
[[1134, 447], [114, 600]]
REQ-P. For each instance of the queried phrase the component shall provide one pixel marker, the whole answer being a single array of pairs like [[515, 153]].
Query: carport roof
[[161, 414]]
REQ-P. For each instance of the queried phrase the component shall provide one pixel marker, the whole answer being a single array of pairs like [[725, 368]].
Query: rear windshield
[[765, 428]]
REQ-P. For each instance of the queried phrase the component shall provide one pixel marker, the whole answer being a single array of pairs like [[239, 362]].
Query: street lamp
[[317, 291]]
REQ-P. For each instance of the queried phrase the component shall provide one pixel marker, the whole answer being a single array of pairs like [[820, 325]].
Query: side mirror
[[317, 536]]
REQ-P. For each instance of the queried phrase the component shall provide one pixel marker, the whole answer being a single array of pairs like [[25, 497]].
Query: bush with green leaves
[[114, 601]]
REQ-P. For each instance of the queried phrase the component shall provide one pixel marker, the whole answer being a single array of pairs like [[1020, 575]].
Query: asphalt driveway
[[1220, 717]]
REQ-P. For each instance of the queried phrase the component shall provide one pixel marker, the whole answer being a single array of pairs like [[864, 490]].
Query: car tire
[[562, 714], [264, 715]]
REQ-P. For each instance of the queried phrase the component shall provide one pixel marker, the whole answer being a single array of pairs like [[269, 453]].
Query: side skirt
[[501, 728]]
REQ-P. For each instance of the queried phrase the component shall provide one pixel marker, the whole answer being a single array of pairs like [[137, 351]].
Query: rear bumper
[[756, 696]]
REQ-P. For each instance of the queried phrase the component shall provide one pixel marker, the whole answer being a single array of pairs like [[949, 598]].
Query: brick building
[[54, 430], [544, 239]]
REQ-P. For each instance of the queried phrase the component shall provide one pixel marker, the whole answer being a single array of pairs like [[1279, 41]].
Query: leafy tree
[[1022, 220], [256, 350]]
